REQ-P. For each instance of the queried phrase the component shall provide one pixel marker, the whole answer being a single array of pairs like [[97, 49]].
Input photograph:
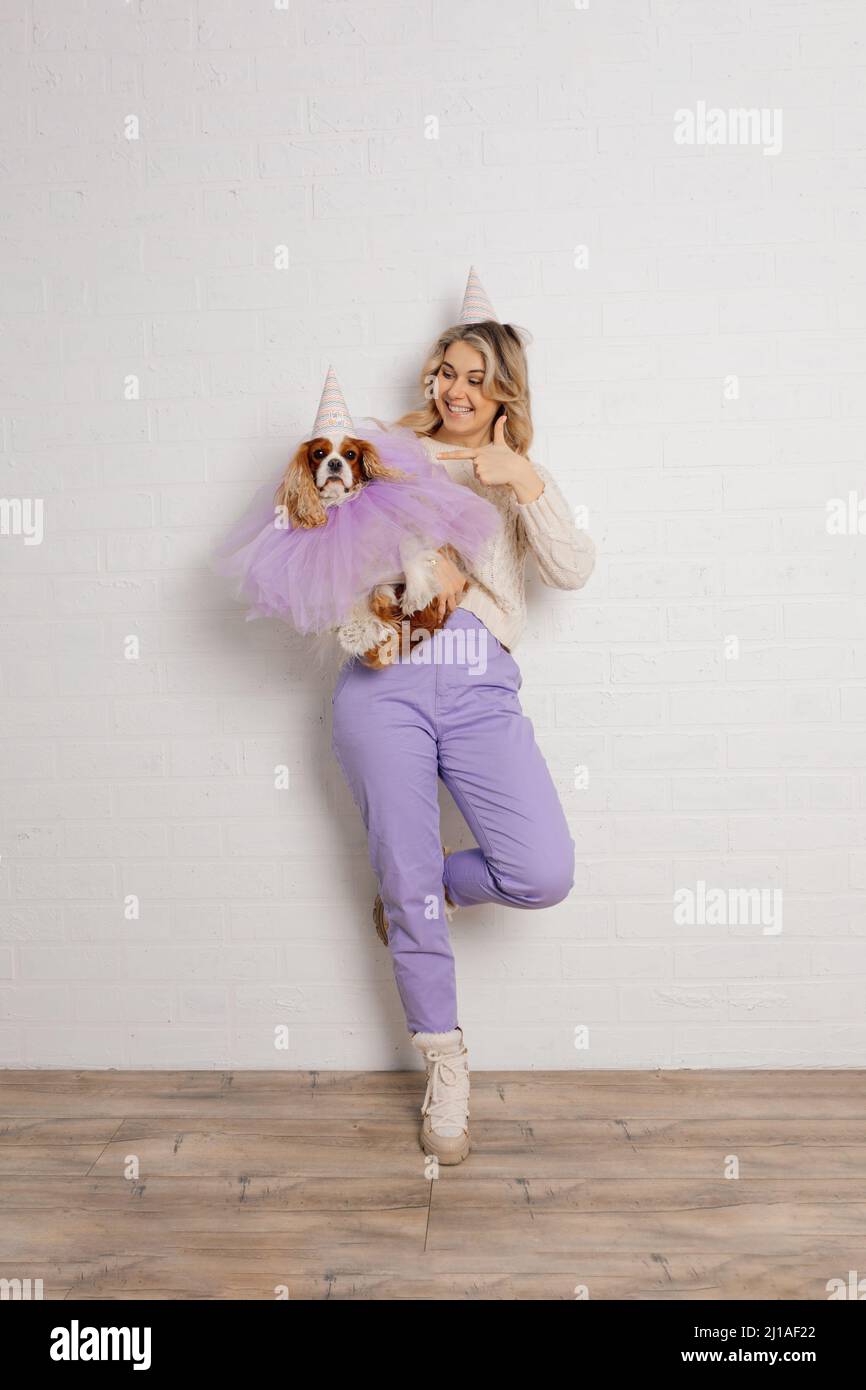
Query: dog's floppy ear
[[373, 466], [298, 493]]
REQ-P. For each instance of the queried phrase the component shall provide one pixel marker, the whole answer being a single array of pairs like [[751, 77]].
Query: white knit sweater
[[564, 554]]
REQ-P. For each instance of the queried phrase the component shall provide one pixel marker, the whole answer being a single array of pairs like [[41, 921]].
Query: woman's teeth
[[460, 409]]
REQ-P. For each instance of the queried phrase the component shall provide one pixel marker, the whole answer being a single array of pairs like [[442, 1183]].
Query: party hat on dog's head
[[333, 413], [476, 306]]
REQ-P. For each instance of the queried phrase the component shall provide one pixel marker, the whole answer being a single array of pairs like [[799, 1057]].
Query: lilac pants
[[456, 716]]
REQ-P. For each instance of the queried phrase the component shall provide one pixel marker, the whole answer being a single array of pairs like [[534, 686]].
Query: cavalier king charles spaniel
[[331, 472]]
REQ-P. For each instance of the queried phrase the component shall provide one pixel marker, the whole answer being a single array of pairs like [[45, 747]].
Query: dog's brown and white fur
[[329, 472]]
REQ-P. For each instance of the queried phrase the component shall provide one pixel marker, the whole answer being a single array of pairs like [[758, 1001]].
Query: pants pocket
[[342, 676], [503, 656], [516, 674]]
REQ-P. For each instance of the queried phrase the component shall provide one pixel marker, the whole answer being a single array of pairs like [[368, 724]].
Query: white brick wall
[[152, 259]]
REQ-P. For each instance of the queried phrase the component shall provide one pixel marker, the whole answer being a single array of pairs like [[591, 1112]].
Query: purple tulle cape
[[311, 578]]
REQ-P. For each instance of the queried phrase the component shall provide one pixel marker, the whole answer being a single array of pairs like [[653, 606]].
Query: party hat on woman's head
[[476, 306], [333, 413]]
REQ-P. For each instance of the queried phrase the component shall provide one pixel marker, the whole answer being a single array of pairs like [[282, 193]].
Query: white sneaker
[[445, 1127]]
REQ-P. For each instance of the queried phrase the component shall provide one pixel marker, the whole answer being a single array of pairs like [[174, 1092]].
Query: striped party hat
[[333, 413], [476, 306]]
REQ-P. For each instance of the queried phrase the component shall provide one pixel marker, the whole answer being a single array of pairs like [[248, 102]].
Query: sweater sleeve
[[565, 554]]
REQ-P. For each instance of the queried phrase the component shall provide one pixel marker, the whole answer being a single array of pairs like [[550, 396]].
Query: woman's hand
[[497, 465], [450, 582]]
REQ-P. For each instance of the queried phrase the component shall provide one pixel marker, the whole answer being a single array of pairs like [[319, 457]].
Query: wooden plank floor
[[252, 1181]]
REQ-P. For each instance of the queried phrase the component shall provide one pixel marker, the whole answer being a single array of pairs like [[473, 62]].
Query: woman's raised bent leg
[[497, 775]]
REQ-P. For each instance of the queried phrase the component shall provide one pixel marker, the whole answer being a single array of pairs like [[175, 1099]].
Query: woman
[[395, 731]]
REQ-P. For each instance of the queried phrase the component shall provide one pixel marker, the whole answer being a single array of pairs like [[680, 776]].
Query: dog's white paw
[[420, 575], [361, 633]]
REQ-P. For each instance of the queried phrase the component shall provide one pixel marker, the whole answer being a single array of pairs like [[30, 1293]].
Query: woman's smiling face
[[466, 412]]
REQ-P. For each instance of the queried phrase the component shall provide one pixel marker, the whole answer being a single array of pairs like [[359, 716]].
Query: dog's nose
[[335, 465]]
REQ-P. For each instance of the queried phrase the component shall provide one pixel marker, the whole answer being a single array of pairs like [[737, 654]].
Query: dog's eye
[[318, 454], [351, 455]]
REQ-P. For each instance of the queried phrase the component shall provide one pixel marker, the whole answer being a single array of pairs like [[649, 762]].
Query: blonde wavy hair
[[506, 379]]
